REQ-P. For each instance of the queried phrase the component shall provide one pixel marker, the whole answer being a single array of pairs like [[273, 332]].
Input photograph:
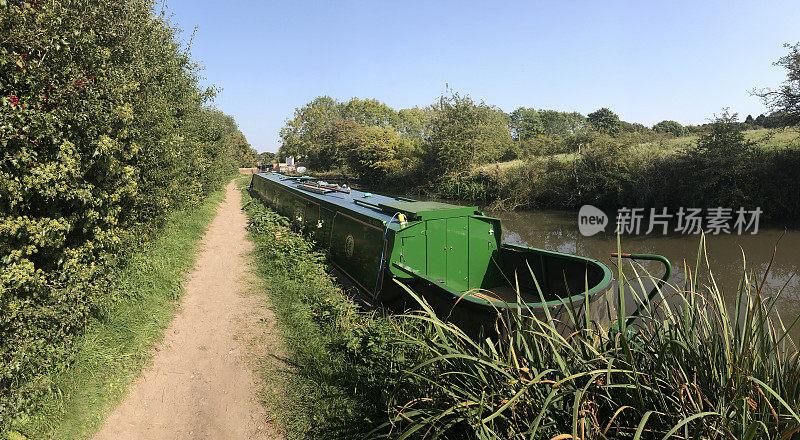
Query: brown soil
[[200, 384]]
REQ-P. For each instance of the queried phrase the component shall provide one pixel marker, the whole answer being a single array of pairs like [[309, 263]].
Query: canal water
[[558, 230]]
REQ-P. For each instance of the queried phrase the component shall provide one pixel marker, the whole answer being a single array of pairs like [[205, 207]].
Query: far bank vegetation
[[536, 158]]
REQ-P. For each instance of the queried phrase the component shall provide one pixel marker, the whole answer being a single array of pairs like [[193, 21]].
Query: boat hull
[[451, 256]]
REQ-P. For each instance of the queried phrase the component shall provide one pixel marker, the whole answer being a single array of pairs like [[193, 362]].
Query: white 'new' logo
[[591, 220]]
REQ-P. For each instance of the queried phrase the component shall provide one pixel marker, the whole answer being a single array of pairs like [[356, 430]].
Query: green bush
[[104, 130]]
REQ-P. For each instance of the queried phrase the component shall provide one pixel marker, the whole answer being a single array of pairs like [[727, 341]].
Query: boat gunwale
[[578, 298], [319, 200]]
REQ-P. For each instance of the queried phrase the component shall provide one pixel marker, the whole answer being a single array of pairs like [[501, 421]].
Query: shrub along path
[[201, 384]]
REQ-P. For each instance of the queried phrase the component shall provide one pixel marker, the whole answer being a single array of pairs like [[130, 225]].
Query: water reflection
[[558, 230], [726, 253]]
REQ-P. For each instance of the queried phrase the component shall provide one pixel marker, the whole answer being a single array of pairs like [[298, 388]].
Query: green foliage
[[443, 138], [323, 132], [333, 144], [556, 123], [601, 174], [525, 123], [635, 127], [723, 161], [299, 135], [374, 152], [244, 154], [568, 159], [604, 121], [412, 123], [721, 167], [368, 152], [267, 157], [786, 99], [369, 113], [374, 141], [463, 134], [528, 123], [672, 127], [103, 131]]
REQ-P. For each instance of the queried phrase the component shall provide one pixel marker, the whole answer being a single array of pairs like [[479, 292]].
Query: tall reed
[[690, 366]]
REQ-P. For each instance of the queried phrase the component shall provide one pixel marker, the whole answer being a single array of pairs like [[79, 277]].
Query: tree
[[779, 119], [556, 123], [267, 157], [786, 99], [671, 127], [412, 123], [331, 145], [525, 123], [635, 127], [463, 134], [604, 121], [369, 113], [749, 120], [374, 152], [300, 135], [721, 162], [245, 155], [104, 129]]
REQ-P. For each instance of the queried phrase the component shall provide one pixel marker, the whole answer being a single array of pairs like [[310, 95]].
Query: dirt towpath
[[200, 384]]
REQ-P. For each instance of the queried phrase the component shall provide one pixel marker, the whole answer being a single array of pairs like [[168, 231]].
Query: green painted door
[[436, 244], [412, 253], [483, 245], [457, 253]]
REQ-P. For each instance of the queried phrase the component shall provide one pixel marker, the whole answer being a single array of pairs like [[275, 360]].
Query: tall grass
[[691, 366]]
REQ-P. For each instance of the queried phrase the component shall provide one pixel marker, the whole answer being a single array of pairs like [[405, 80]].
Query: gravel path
[[200, 384]]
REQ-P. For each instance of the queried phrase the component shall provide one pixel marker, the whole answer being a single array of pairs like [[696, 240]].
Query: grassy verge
[[117, 345], [345, 362]]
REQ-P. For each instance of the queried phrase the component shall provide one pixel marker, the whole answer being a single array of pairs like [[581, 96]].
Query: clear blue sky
[[647, 62]]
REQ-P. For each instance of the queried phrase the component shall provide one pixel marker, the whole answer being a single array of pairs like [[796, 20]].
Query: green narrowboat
[[451, 255]]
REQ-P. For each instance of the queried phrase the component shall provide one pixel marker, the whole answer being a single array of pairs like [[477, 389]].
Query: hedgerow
[[104, 129]]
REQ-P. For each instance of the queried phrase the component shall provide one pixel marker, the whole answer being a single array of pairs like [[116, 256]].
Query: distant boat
[[453, 256]]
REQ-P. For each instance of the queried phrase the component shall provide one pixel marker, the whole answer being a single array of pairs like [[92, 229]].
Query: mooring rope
[[383, 249]]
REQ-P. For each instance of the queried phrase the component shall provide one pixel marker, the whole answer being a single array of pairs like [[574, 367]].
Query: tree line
[[567, 159], [104, 129], [370, 140]]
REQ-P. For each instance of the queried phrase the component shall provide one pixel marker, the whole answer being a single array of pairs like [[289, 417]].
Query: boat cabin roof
[[379, 206]]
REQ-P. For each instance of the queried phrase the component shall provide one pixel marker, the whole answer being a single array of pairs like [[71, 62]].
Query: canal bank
[[406, 374]]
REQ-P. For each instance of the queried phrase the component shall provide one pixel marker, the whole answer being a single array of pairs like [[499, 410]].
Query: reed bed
[[689, 366]]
